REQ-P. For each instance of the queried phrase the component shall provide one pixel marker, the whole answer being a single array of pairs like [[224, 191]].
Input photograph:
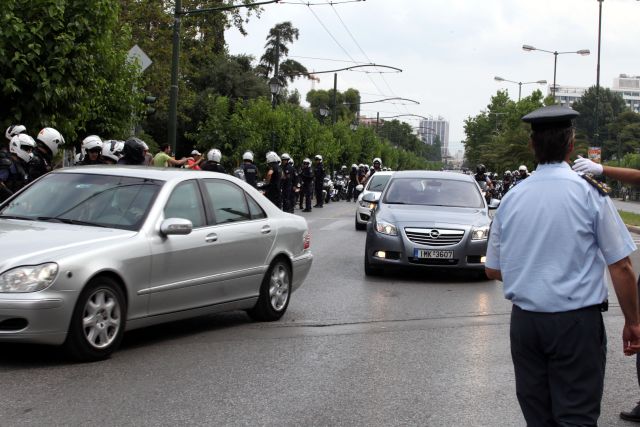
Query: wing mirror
[[371, 197], [175, 226]]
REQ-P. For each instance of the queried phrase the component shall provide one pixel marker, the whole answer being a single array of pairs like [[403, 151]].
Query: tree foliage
[[277, 50]]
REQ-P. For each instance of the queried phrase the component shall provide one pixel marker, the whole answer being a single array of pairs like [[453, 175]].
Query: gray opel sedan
[[428, 219], [87, 253]]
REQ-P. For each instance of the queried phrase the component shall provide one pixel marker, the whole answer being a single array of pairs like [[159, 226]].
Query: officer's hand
[[587, 166], [631, 339]]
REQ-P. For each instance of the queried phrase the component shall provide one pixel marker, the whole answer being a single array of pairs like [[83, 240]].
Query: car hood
[[37, 241], [432, 216]]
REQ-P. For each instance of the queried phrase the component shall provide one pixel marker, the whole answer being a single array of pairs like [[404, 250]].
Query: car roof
[[384, 173], [421, 174], [148, 172]]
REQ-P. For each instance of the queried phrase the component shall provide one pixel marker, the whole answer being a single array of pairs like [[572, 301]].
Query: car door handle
[[266, 229], [213, 237]]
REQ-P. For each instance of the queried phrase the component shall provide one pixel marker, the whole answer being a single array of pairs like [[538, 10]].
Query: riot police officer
[[286, 182], [92, 151], [213, 162], [307, 184], [133, 152], [250, 170], [353, 182], [112, 151], [47, 143], [273, 178], [319, 175], [14, 172], [12, 131]]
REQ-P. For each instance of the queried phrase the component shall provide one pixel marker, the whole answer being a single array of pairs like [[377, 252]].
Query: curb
[[633, 228]]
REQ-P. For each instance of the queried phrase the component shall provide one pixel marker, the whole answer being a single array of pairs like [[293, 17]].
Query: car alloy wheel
[[101, 318], [275, 293], [279, 287]]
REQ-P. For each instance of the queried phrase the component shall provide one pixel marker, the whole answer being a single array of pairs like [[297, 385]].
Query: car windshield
[[86, 199], [378, 182], [433, 192]]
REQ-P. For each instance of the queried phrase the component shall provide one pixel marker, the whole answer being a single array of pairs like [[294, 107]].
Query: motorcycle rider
[[286, 183], [14, 171], [213, 162], [507, 182], [377, 167], [92, 151], [112, 151], [47, 143], [361, 174], [483, 181], [319, 175], [307, 184], [133, 152], [523, 173], [353, 182], [273, 179], [250, 170]]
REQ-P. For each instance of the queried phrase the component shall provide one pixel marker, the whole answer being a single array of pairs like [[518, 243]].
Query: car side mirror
[[371, 197], [176, 226], [359, 188], [494, 204]]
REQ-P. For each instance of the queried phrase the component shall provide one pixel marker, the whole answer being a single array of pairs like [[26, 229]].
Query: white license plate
[[432, 254]]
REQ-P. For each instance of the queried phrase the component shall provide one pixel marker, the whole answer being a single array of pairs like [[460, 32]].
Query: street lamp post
[[529, 48], [274, 87], [324, 112], [596, 130], [500, 79]]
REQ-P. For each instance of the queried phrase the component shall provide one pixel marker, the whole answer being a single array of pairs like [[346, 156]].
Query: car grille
[[434, 236]]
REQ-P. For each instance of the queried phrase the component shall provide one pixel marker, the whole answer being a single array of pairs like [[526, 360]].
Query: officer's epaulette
[[602, 188]]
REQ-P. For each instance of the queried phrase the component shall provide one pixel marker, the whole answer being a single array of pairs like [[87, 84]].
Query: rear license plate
[[432, 254]]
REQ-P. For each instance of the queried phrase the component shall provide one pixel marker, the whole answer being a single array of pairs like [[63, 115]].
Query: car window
[[186, 202], [254, 208], [378, 182], [433, 192], [228, 200]]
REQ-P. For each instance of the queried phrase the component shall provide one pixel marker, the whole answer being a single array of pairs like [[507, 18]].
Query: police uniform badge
[[602, 188]]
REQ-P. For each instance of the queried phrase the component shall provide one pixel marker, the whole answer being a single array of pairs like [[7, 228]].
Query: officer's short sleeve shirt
[[552, 238]]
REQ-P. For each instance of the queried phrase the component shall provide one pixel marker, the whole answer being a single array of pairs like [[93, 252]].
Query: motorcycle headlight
[[29, 278], [480, 233], [386, 228]]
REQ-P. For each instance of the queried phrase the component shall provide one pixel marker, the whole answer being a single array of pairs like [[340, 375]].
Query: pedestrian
[[47, 143], [250, 170], [14, 170], [319, 175], [627, 176], [272, 180], [286, 183], [307, 184], [164, 159], [556, 280], [214, 156]]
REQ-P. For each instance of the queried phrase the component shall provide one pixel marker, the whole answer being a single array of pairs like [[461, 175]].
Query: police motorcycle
[[329, 191], [340, 184], [239, 173]]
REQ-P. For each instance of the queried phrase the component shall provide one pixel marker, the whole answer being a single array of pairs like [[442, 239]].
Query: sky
[[451, 50]]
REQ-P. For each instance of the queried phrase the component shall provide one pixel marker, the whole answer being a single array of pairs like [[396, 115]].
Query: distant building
[[430, 128], [627, 86]]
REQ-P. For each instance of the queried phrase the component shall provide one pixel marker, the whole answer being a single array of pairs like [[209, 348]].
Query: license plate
[[432, 254]]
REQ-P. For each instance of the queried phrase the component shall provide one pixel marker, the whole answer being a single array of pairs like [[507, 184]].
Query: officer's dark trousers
[[319, 198], [351, 191], [559, 361], [287, 203], [307, 196]]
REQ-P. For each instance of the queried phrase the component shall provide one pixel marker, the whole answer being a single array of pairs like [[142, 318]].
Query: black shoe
[[633, 415]]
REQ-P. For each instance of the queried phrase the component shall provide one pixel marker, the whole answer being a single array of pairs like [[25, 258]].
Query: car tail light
[[306, 241]]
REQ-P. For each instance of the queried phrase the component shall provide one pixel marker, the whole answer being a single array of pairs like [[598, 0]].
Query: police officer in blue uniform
[[286, 182], [319, 175], [250, 170], [556, 281], [306, 174]]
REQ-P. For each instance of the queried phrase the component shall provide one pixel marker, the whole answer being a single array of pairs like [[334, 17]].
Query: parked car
[[429, 220], [87, 253], [374, 185]]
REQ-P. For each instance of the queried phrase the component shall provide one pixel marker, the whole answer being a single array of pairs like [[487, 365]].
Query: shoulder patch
[[602, 188]]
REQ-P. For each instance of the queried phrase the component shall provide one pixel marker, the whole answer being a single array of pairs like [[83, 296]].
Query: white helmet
[[285, 156], [361, 165], [248, 155], [377, 159], [523, 168], [112, 149], [354, 166], [214, 155], [91, 142], [307, 161], [291, 162], [14, 130], [318, 157], [51, 138], [272, 157], [18, 142]]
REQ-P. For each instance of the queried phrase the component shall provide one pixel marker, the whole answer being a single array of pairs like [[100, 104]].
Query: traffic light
[[149, 101]]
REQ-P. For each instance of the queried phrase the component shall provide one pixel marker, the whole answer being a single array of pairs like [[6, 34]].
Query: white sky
[[450, 50]]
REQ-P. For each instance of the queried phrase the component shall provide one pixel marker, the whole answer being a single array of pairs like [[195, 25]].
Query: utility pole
[[335, 94], [596, 130], [276, 69]]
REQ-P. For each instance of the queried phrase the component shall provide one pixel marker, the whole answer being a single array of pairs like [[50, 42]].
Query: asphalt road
[[413, 349]]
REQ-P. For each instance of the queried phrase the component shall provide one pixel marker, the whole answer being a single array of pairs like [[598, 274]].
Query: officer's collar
[[558, 165]]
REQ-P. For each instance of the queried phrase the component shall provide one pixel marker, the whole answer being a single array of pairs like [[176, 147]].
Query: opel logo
[[434, 234]]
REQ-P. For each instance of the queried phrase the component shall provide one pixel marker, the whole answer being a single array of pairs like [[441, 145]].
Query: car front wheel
[[98, 321], [275, 293]]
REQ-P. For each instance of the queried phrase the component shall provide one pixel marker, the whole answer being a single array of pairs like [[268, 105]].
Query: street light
[[529, 48], [274, 87], [500, 79]]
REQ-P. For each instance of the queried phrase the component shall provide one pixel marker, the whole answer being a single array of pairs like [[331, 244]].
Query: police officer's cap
[[552, 116]]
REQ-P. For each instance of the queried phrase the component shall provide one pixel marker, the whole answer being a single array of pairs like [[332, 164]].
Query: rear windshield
[[86, 199], [378, 182], [433, 192]]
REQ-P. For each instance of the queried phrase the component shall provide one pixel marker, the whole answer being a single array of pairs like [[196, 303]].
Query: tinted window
[[229, 204], [185, 202], [100, 200], [255, 209], [378, 182], [433, 192]]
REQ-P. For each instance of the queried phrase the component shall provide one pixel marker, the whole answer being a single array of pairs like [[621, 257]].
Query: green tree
[[277, 50], [610, 107]]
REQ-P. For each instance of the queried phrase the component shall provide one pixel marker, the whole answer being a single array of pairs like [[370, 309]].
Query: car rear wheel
[[98, 321], [275, 293]]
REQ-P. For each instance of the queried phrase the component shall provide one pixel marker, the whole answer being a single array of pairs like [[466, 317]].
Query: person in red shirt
[[195, 163]]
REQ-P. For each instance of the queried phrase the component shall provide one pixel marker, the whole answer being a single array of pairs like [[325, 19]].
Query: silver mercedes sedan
[[427, 219], [87, 253]]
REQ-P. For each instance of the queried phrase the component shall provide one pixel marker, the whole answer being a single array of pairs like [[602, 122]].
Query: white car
[[375, 184]]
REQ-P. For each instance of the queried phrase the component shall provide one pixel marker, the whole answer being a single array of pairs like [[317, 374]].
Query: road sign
[[138, 55], [595, 154]]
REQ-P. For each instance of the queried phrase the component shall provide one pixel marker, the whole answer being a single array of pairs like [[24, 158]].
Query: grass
[[630, 218]]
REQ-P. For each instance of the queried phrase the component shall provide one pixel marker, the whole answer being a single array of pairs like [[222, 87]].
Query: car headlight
[[480, 233], [30, 278], [367, 205], [386, 228]]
